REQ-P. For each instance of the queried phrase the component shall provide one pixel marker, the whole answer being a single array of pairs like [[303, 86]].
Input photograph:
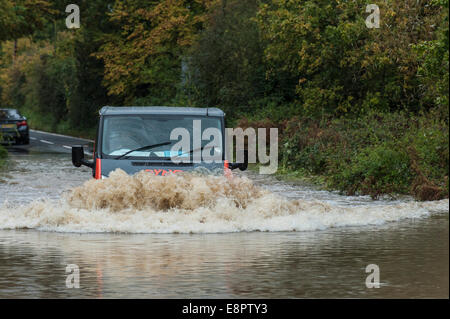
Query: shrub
[[374, 171]]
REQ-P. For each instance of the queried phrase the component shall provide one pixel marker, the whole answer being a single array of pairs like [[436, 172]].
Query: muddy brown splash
[[143, 190]]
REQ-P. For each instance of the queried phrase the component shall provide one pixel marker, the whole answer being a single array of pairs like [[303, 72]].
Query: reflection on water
[[412, 254]]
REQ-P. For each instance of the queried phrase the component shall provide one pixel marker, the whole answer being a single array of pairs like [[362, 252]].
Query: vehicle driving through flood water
[[141, 138]]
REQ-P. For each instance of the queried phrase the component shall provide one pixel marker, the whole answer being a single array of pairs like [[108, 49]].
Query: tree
[[21, 18], [434, 64], [226, 63], [340, 66], [144, 58]]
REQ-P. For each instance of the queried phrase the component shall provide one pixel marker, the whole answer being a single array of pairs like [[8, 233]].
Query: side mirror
[[242, 166], [78, 157]]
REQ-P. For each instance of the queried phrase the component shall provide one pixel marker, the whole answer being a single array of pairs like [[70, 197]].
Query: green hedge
[[391, 153]]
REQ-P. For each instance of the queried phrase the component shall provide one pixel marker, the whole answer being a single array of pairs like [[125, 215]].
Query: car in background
[[13, 127]]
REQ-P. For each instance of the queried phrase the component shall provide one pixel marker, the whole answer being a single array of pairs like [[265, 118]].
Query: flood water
[[282, 241]]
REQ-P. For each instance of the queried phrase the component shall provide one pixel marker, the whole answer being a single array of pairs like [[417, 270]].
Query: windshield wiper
[[144, 148], [194, 150]]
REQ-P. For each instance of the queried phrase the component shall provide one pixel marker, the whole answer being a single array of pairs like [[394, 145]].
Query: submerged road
[[42, 169]]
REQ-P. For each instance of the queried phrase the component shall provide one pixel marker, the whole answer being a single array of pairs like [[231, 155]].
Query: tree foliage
[[310, 57], [225, 66], [143, 59], [20, 18], [340, 66]]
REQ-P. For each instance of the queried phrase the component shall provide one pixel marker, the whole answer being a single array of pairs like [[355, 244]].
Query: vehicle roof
[[160, 110]]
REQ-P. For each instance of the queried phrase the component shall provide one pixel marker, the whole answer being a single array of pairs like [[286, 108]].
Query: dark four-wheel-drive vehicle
[[139, 138], [13, 127]]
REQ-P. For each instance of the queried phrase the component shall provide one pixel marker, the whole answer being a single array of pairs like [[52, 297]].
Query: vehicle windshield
[[144, 133]]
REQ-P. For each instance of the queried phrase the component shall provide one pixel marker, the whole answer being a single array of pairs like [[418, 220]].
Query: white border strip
[[46, 142], [60, 135]]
